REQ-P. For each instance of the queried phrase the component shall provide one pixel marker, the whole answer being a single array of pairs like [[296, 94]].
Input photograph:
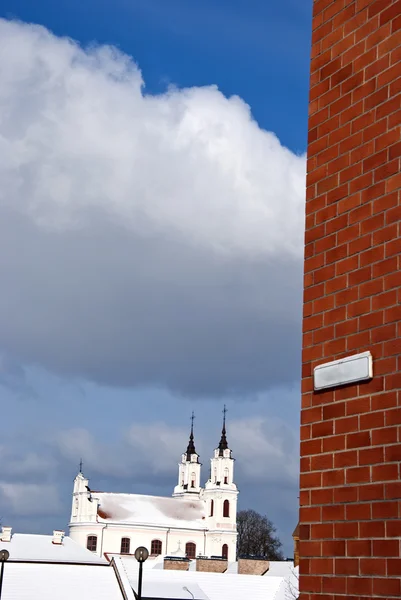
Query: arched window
[[224, 551], [125, 545], [193, 480], [156, 547], [91, 543], [226, 508], [225, 475], [211, 508], [182, 478], [215, 475], [190, 550]]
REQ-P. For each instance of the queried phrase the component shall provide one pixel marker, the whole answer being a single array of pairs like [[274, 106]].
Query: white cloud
[[29, 499], [79, 135], [157, 240], [266, 449]]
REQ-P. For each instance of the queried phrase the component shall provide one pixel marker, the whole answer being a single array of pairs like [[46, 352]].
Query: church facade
[[195, 521]]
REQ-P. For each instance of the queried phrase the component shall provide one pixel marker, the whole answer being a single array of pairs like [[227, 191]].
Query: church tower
[[220, 496], [84, 507], [189, 469]]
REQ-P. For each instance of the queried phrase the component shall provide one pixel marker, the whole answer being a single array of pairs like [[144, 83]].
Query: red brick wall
[[350, 513]]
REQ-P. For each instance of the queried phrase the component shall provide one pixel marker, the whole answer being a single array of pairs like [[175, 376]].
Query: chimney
[[175, 563], [58, 537], [6, 534], [215, 564], [252, 566]]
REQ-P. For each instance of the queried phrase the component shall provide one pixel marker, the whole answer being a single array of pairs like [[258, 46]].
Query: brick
[[359, 585], [393, 528], [386, 435], [346, 425], [358, 475], [385, 548], [394, 566], [384, 510], [387, 472], [358, 440], [358, 511], [346, 566], [373, 566], [323, 496], [359, 548], [347, 529], [345, 494], [345, 459], [387, 587], [370, 456], [371, 529], [373, 491]]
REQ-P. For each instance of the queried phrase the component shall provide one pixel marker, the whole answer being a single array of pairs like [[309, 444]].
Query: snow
[[280, 568], [136, 509], [158, 583], [30, 581], [30, 547]]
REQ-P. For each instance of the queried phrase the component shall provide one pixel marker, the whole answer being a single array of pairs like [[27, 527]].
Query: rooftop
[[33, 548], [177, 585], [30, 581], [181, 513]]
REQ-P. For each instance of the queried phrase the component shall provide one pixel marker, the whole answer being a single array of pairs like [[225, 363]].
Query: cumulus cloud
[[29, 499], [265, 450], [145, 240]]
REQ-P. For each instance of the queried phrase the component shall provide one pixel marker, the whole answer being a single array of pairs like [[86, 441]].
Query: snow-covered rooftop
[[158, 583], [30, 581], [158, 511], [29, 547]]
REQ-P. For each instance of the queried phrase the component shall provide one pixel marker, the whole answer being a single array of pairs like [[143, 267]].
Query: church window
[[182, 478], [225, 475], [125, 545], [156, 547], [224, 551], [211, 508], [190, 550], [226, 508], [91, 543], [193, 480], [215, 475]]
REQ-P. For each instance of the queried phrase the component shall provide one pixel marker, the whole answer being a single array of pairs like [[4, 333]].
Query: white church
[[194, 522]]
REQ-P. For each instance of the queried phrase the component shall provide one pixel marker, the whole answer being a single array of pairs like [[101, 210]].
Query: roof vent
[[6, 534], [58, 537]]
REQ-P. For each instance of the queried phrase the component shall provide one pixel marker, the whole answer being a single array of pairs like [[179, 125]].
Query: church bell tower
[[189, 469], [220, 496]]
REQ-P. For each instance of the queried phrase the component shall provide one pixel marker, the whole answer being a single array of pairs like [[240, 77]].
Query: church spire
[[223, 441], [191, 444]]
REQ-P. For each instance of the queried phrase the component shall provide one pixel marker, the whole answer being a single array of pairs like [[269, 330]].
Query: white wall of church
[[173, 542]]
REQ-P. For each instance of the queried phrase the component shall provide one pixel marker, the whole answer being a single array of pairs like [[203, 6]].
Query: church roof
[[223, 445], [135, 509], [191, 444], [30, 547]]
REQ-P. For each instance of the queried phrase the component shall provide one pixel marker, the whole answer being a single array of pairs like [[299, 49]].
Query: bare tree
[[292, 585], [256, 536]]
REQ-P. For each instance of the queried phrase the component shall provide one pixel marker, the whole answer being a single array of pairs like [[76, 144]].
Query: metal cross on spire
[[191, 444], [223, 441], [80, 466]]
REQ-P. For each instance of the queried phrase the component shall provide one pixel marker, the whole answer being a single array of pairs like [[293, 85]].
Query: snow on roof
[[181, 513], [158, 583], [280, 568], [29, 547], [30, 581]]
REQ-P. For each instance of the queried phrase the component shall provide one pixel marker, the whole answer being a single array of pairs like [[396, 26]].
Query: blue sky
[[159, 236]]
